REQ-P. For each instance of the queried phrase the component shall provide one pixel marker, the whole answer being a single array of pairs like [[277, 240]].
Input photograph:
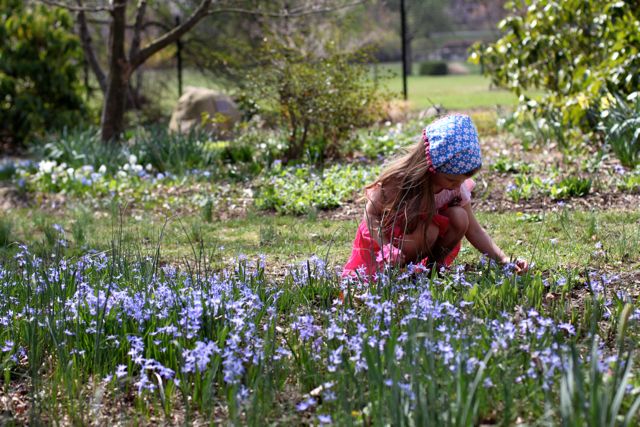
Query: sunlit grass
[[566, 238]]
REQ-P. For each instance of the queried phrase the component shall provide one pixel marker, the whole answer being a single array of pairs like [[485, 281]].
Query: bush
[[40, 61], [433, 68], [319, 100], [576, 53]]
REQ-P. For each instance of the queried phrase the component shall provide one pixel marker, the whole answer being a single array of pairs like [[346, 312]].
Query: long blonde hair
[[409, 177]]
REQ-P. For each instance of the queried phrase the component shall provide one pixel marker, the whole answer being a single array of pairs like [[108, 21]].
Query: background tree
[[123, 61], [40, 63]]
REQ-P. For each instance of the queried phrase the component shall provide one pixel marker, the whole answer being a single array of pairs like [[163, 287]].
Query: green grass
[[454, 92], [555, 240]]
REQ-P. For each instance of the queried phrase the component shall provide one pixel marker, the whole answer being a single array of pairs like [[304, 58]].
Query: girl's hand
[[521, 266]]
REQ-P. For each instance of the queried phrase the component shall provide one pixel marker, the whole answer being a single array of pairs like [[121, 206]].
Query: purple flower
[[8, 346], [324, 419], [306, 404], [567, 327], [199, 357], [121, 371], [305, 326]]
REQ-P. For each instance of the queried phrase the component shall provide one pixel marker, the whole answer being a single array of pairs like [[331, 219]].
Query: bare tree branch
[[68, 6], [87, 47], [137, 28], [146, 25], [171, 36], [301, 11]]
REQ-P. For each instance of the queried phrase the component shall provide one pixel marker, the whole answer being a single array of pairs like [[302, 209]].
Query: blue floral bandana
[[452, 146]]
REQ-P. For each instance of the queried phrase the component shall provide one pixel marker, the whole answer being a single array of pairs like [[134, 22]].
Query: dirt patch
[[10, 198]]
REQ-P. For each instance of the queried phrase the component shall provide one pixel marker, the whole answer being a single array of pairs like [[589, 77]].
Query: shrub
[[573, 52], [40, 61], [320, 100], [433, 68], [385, 140]]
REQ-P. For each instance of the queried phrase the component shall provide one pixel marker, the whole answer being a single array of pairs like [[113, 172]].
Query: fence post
[[403, 30]]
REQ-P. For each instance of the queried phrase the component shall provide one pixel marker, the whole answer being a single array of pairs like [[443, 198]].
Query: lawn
[[453, 92]]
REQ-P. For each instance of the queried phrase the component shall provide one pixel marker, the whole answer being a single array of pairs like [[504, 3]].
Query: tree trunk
[[112, 121]]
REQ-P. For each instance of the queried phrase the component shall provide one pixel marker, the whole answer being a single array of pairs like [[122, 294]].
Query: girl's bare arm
[[480, 239]]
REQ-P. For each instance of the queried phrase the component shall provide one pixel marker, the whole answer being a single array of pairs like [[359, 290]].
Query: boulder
[[195, 102], [396, 110]]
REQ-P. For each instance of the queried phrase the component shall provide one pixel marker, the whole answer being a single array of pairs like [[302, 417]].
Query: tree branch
[[87, 47], [146, 25], [171, 36], [137, 28], [301, 11], [73, 8]]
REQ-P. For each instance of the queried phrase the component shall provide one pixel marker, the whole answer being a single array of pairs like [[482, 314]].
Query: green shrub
[[575, 52], [433, 68], [386, 140], [161, 151], [320, 100], [7, 170], [629, 182], [40, 61]]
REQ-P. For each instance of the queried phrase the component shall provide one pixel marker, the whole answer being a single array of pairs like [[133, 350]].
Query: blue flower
[[306, 404]]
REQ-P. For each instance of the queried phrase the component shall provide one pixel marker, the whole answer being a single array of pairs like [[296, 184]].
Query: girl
[[419, 209]]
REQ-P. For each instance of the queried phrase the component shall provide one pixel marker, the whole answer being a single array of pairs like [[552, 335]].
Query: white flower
[[133, 159], [102, 169], [46, 166]]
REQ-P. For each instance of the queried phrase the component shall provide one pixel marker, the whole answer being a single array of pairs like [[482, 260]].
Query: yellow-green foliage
[[578, 52]]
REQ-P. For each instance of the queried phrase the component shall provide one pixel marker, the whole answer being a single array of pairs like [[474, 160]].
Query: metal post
[[179, 60], [403, 31]]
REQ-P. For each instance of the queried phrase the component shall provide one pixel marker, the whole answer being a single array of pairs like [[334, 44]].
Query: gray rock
[[201, 107]]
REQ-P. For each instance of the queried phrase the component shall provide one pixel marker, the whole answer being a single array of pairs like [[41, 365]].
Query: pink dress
[[365, 248]]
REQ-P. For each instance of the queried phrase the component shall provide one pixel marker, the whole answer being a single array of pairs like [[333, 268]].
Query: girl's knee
[[458, 219], [433, 232]]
